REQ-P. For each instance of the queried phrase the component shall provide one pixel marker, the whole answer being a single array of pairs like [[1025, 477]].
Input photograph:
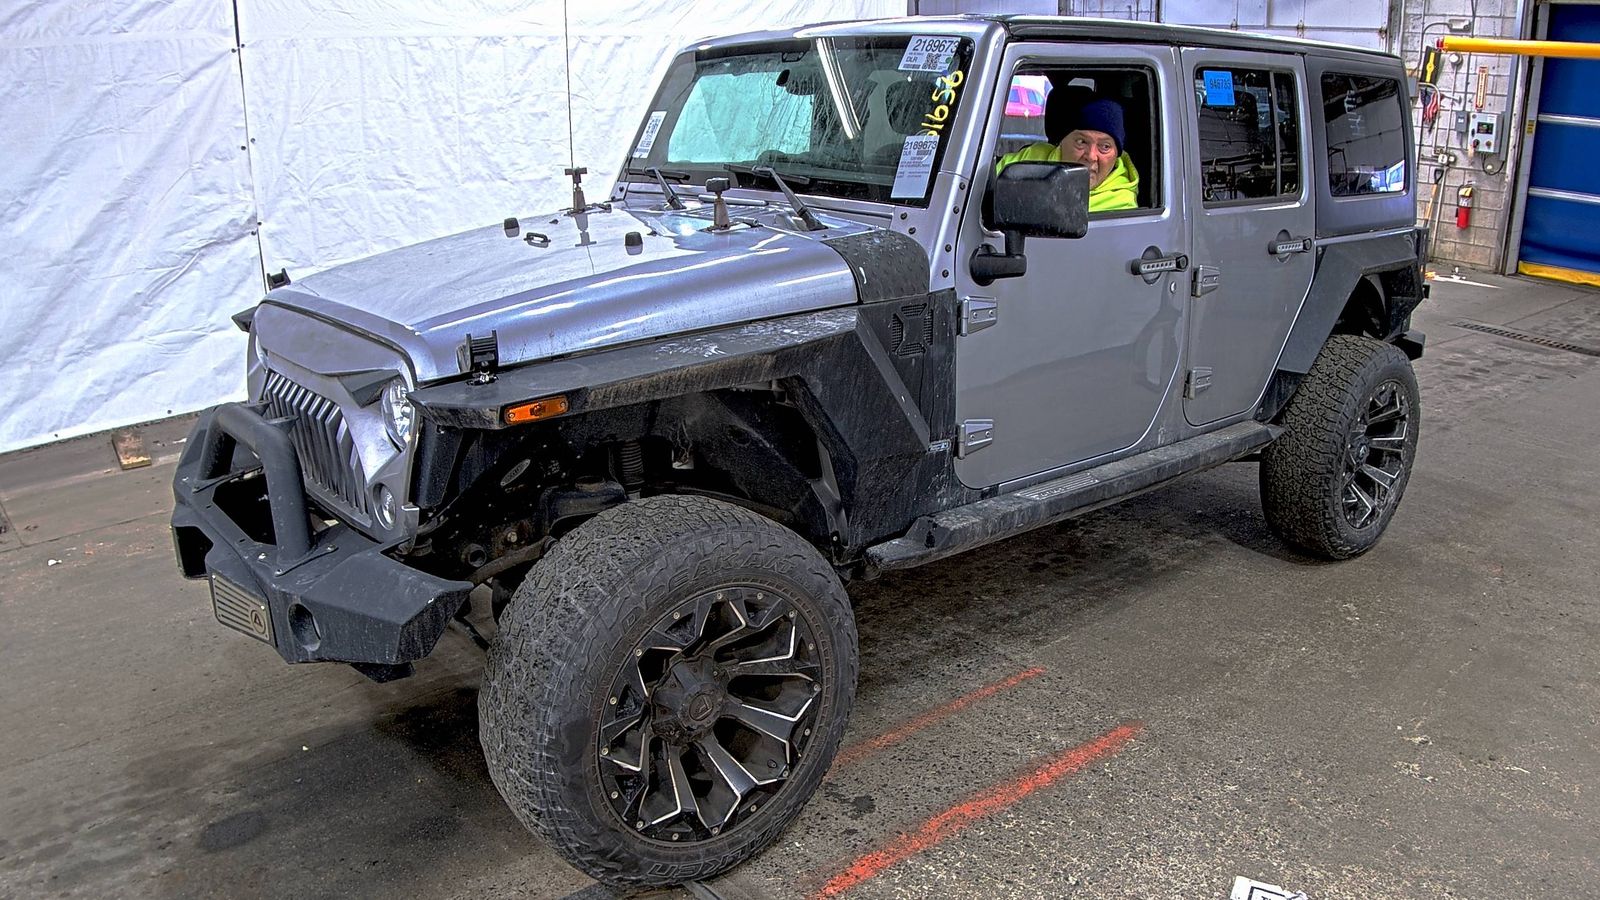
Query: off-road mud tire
[[586, 603], [1301, 472]]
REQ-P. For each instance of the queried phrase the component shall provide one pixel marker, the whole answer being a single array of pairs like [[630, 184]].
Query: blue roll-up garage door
[[1561, 222]]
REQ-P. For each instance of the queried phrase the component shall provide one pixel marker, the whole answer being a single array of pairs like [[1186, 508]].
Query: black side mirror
[[1033, 199], [1040, 199]]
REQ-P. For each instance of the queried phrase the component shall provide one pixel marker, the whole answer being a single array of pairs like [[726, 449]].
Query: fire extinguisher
[[1464, 206]]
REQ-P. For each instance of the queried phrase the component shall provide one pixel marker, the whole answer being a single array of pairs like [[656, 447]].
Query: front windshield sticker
[[929, 54], [944, 94], [916, 164], [1219, 87], [648, 139]]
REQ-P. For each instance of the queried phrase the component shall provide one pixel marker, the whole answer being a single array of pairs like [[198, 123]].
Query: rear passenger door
[[1249, 192]]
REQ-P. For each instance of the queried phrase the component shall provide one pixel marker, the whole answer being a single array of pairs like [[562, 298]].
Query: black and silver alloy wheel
[[1331, 483], [708, 714], [667, 689], [1375, 455]]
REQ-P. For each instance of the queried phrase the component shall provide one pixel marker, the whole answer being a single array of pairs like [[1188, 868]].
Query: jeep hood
[[585, 289]]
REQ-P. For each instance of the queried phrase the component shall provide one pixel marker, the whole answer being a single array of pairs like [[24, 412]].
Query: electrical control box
[[1483, 133]]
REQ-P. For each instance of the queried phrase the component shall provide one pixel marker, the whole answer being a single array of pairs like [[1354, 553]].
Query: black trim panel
[[886, 265]]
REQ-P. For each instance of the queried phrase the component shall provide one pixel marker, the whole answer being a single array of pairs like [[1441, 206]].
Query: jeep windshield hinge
[[975, 435], [978, 313]]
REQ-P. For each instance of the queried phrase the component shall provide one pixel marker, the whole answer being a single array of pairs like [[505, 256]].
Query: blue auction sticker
[[1219, 87]]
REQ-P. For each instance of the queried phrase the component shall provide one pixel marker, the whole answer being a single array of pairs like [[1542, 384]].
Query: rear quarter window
[[1366, 129]]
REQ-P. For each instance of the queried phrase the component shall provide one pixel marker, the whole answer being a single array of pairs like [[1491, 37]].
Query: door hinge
[[1199, 379], [978, 313], [1206, 280], [975, 435]]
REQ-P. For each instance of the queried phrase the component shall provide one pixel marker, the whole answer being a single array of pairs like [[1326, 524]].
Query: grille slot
[[322, 440]]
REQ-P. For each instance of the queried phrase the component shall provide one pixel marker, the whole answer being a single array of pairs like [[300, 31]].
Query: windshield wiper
[[661, 178], [801, 211]]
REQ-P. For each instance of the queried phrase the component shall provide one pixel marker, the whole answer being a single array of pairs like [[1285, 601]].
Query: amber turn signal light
[[538, 409]]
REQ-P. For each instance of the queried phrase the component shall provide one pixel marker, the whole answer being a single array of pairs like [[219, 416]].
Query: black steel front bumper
[[329, 595]]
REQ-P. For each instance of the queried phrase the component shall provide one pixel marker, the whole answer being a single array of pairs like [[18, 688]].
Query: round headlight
[[398, 414]]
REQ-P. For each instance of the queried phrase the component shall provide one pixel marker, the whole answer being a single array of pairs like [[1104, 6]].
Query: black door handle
[[1152, 263], [1284, 246]]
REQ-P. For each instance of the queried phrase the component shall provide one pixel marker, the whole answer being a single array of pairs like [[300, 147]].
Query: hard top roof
[[1062, 28], [1080, 29]]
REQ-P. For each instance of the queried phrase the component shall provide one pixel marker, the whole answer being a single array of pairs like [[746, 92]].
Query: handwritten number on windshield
[[944, 87], [944, 94]]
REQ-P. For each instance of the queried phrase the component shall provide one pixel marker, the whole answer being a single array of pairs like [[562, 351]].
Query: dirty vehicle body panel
[[851, 382], [836, 313]]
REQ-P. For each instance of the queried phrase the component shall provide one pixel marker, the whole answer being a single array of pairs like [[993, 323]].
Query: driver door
[[1072, 361]]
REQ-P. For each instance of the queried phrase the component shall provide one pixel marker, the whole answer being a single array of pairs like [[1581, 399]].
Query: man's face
[[1094, 149]]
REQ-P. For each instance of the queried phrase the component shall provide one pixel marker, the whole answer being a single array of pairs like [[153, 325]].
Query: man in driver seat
[[1094, 139]]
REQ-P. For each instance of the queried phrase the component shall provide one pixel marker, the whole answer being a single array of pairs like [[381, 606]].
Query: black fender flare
[[845, 369], [834, 352], [1341, 267]]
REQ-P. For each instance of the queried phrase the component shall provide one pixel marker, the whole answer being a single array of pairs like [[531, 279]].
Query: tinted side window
[[1249, 134], [1366, 134]]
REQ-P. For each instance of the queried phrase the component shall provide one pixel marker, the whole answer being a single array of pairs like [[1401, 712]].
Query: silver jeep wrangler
[[858, 302]]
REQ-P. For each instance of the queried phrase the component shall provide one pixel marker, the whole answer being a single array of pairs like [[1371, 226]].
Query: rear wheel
[[1332, 482], [667, 689]]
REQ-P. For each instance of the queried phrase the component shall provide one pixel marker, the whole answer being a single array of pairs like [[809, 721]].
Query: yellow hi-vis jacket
[[1120, 190]]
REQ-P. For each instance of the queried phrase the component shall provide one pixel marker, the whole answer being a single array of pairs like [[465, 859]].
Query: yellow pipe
[[1569, 49]]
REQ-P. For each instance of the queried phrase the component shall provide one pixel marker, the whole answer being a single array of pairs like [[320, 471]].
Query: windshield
[[864, 117]]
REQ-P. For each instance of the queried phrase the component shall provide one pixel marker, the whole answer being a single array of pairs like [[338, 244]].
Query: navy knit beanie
[[1103, 116]]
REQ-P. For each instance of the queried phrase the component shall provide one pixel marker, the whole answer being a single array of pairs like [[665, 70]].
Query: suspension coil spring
[[630, 457]]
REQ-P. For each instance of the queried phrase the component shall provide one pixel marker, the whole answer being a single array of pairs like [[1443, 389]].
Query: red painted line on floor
[[957, 818], [857, 752]]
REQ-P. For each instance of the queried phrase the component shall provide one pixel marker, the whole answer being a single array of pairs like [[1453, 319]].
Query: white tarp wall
[[124, 214], [128, 208]]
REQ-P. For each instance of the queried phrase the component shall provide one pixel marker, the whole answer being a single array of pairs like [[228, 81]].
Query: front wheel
[[1332, 482], [667, 689]]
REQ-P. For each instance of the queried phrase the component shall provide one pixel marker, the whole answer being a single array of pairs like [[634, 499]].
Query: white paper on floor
[[1245, 889]]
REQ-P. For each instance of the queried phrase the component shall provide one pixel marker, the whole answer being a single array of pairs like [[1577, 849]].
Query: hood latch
[[481, 357]]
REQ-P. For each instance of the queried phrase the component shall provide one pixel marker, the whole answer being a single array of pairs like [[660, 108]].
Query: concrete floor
[[1420, 722]]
